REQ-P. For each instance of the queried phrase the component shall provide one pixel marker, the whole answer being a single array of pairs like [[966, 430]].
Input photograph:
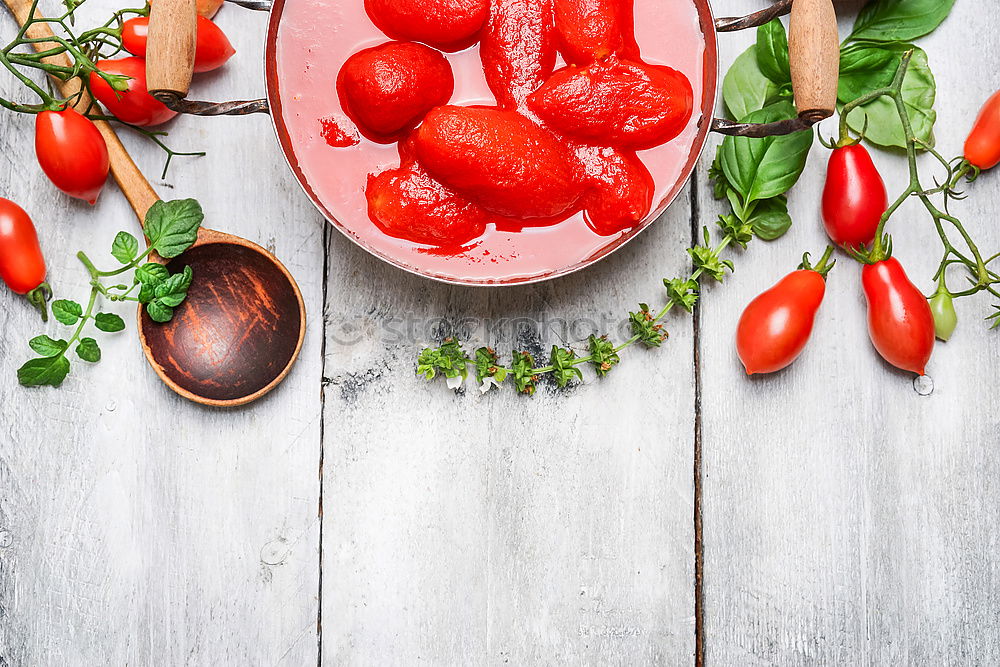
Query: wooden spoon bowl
[[238, 332]]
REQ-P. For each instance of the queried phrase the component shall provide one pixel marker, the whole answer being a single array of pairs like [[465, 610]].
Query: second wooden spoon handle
[[814, 56], [138, 191]]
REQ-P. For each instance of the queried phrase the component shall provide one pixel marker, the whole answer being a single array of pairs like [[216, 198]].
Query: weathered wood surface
[[136, 528], [847, 519], [361, 516]]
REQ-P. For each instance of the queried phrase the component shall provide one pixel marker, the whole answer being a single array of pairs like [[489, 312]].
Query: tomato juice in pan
[[315, 37]]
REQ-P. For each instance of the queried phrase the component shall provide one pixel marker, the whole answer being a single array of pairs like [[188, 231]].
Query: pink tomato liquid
[[315, 37]]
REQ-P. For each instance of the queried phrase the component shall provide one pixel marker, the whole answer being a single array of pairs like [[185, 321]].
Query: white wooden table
[[358, 515]]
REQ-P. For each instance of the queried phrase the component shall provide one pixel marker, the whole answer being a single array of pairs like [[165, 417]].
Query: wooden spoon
[[241, 327]]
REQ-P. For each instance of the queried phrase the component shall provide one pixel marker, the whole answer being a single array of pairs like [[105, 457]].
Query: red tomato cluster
[[555, 143], [70, 148]]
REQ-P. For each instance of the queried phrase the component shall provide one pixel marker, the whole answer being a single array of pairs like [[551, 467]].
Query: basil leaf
[[66, 311], [899, 20], [919, 92], [47, 347], [772, 52], [171, 292], [88, 350], [109, 322], [864, 68], [764, 168], [770, 219], [44, 371], [125, 247], [172, 226], [745, 88], [159, 312], [151, 272]]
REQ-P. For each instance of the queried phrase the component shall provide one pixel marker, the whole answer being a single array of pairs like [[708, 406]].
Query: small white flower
[[488, 383], [455, 382]]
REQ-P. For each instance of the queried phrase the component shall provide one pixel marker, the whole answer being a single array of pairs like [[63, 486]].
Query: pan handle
[[814, 57], [170, 59]]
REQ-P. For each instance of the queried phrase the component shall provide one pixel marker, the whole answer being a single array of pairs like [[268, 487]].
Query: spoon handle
[[138, 191], [170, 47]]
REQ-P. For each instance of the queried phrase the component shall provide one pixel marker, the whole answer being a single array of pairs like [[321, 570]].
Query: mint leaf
[[66, 311], [159, 312], [47, 347], [172, 226], [172, 291], [44, 371], [109, 322], [151, 272], [146, 292], [88, 350], [125, 247]]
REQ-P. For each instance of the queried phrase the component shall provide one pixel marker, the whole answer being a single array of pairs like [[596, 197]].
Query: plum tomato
[[982, 147], [387, 89], [212, 48], [408, 203], [619, 189], [900, 322], [135, 105], [72, 153], [449, 25], [616, 102], [592, 30], [517, 49], [854, 197], [499, 159]]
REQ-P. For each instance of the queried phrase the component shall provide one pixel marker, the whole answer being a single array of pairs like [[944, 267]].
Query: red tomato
[[212, 48], [982, 148], [72, 153], [854, 197], [135, 105], [22, 266], [776, 326], [900, 322]]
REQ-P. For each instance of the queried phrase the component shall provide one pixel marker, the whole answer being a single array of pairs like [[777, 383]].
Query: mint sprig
[[172, 227]]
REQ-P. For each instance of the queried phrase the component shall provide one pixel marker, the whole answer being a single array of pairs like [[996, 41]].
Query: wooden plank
[[136, 527], [469, 529], [849, 520]]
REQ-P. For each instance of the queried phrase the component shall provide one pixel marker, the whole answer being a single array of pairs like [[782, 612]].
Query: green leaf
[[770, 220], [44, 371], [649, 332], [899, 20], [919, 91], [151, 273], [734, 227], [864, 68], [159, 312], [47, 347], [88, 350], [488, 365], [172, 226], [125, 247], [522, 369], [109, 322], [450, 360], [682, 292], [745, 89], [172, 291], [563, 370], [602, 354], [772, 52], [66, 311], [146, 292], [764, 168]]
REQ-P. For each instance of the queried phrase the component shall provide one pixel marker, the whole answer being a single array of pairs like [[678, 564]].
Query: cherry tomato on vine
[[776, 326], [22, 266], [135, 105], [854, 197], [982, 148], [900, 322], [72, 153], [212, 48]]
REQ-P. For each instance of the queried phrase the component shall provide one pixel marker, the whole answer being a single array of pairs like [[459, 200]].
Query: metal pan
[[813, 53]]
